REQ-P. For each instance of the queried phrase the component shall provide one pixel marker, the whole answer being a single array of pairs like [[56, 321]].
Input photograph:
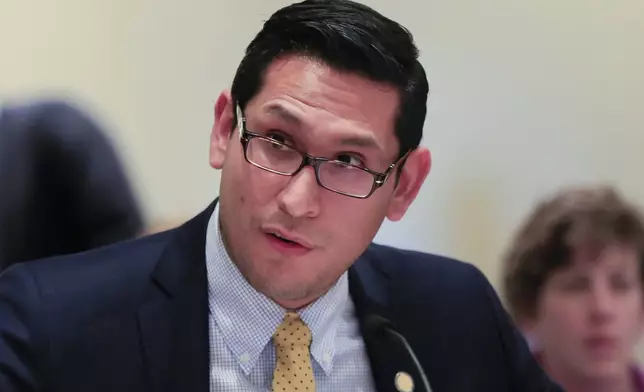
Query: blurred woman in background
[[573, 279]]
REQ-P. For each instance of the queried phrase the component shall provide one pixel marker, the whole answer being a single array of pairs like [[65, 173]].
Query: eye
[[278, 137], [350, 159], [281, 142], [622, 283], [575, 284]]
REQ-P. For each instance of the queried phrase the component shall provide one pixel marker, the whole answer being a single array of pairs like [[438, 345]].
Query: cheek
[[561, 319], [355, 221], [632, 318], [254, 185]]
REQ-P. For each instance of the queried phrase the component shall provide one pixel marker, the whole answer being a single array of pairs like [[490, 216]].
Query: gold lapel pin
[[404, 382]]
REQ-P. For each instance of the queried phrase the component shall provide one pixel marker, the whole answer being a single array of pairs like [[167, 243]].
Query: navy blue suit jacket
[[133, 317]]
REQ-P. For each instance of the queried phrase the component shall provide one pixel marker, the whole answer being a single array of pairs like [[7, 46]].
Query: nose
[[300, 197], [602, 302]]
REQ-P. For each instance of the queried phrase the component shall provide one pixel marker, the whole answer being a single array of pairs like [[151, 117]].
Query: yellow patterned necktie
[[293, 371]]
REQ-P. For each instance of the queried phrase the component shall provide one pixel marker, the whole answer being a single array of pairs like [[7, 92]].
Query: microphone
[[379, 326]]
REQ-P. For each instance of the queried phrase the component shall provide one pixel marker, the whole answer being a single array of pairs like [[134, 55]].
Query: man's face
[[324, 113], [590, 313]]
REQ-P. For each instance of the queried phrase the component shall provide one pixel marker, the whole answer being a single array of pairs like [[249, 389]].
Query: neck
[[294, 305], [622, 382]]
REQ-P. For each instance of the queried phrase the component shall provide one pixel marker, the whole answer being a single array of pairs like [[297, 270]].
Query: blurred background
[[526, 96]]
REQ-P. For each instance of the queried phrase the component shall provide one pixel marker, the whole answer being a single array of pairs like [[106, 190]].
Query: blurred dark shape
[[63, 188]]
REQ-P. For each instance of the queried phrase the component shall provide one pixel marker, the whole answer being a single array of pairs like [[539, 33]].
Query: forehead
[[612, 257], [326, 102]]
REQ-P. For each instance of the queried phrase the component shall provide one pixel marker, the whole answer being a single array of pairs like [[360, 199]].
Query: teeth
[[282, 238]]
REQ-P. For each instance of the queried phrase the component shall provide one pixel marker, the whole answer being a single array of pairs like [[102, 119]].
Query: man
[[574, 283], [276, 286], [63, 188]]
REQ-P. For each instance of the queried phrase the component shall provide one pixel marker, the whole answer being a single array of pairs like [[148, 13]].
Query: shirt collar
[[247, 318]]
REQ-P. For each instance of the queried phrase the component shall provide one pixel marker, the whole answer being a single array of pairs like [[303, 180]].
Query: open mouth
[[287, 246], [285, 240]]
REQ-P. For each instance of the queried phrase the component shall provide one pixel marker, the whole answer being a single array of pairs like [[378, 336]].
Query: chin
[[606, 368], [286, 293], [279, 277]]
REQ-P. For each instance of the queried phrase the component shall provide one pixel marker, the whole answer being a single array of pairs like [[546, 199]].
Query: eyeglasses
[[340, 177]]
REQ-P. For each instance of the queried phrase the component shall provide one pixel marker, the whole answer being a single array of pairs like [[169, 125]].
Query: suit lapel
[[174, 317], [372, 289], [369, 288]]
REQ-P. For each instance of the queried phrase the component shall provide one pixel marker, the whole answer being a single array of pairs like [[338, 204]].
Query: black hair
[[347, 36]]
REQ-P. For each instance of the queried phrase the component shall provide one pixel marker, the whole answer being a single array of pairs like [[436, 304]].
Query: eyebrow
[[364, 139], [284, 114]]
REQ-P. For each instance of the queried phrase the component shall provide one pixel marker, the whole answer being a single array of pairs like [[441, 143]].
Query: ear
[[222, 129], [414, 172]]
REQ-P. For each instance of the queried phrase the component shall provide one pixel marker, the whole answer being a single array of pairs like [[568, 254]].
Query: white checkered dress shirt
[[242, 322]]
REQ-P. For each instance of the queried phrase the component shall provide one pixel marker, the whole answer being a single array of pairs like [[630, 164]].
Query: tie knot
[[292, 332]]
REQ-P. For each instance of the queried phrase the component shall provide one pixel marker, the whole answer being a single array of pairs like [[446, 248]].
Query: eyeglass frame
[[245, 136]]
